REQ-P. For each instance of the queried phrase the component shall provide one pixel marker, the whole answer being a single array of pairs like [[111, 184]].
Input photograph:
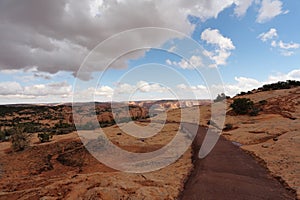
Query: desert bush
[[61, 128], [293, 82], [19, 139], [221, 97], [280, 85], [2, 136], [61, 124], [242, 106], [62, 131], [44, 137], [263, 102], [227, 127], [254, 111], [31, 127], [107, 123]]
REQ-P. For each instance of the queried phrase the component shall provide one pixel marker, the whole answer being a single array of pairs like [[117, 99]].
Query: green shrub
[[280, 85], [227, 127], [254, 111], [44, 137], [263, 102], [19, 139], [2, 136], [61, 124], [221, 97], [242, 106]]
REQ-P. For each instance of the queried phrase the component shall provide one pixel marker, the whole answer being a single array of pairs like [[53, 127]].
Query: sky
[[121, 50]]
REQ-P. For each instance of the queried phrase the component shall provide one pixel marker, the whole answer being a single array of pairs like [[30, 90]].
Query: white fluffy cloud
[[272, 33], [192, 91], [145, 87], [14, 89], [285, 49], [193, 62], [62, 92], [242, 7], [247, 84], [104, 91], [269, 9], [56, 35], [10, 88], [292, 75], [223, 45], [213, 36], [242, 84], [122, 90], [287, 46]]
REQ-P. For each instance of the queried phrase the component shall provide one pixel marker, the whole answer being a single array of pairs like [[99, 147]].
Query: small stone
[[265, 146]]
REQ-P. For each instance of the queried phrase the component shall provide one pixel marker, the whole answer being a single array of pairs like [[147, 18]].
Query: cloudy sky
[[57, 50]]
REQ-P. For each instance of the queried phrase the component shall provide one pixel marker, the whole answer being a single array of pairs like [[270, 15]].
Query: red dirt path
[[229, 173]]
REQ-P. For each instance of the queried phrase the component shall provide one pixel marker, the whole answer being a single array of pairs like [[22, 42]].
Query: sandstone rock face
[[277, 139], [273, 137], [64, 169]]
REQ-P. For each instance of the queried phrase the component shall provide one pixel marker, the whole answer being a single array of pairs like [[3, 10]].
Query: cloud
[[193, 62], [283, 47], [104, 91], [169, 62], [223, 45], [145, 87], [213, 36], [287, 46], [241, 84], [60, 90], [10, 88], [57, 35], [272, 33], [13, 92], [202, 92], [269, 9], [192, 91], [122, 89], [287, 53], [196, 61], [247, 84], [242, 7], [292, 75]]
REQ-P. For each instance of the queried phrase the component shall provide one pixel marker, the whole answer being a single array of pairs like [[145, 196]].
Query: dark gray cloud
[[56, 35]]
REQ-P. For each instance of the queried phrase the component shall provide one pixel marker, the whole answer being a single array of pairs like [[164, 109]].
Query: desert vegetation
[[44, 137], [221, 97], [19, 139], [242, 106], [280, 85]]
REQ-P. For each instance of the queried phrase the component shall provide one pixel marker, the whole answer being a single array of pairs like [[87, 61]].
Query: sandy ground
[[63, 169]]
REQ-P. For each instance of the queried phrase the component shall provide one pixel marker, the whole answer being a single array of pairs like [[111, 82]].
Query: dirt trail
[[229, 173]]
